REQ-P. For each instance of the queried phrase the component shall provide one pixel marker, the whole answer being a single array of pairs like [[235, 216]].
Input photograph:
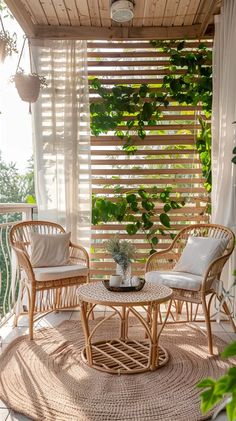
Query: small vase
[[125, 273]]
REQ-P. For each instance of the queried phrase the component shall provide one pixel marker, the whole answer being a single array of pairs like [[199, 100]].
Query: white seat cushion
[[60, 272], [172, 279]]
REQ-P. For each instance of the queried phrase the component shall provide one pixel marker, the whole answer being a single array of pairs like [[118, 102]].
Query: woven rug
[[46, 380]]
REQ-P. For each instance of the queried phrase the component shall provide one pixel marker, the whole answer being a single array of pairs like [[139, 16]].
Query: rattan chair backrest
[[19, 235]]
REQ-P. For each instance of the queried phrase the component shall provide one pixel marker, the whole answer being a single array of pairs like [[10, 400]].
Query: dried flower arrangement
[[122, 251]]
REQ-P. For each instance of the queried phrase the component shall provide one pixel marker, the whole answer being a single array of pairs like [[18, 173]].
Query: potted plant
[[122, 252], [7, 45], [28, 85]]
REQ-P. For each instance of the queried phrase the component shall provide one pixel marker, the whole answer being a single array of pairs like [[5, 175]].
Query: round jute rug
[[46, 380]]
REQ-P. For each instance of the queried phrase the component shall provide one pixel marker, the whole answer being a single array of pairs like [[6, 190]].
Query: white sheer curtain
[[61, 137], [224, 113]]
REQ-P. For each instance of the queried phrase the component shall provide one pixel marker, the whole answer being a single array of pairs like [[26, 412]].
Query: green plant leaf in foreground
[[224, 387]]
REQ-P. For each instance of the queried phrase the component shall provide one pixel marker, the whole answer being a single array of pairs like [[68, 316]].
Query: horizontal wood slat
[[144, 45], [166, 157]]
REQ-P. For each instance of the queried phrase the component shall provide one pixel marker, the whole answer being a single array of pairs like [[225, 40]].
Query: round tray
[[124, 288]]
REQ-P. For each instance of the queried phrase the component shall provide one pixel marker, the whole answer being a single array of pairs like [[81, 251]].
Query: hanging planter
[[28, 85], [7, 43]]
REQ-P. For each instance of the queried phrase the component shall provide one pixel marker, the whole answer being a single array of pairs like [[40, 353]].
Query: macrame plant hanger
[[28, 86]]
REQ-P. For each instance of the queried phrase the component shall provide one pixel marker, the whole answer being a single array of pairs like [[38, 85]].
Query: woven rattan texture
[[97, 293], [46, 380]]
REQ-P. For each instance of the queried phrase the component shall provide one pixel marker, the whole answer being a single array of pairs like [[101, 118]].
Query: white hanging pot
[[28, 86]]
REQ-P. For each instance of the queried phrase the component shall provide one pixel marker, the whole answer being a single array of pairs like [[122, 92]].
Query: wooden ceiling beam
[[19, 12], [210, 9], [102, 33]]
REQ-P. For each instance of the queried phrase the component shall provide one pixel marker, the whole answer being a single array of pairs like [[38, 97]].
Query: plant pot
[[28, 87], [2, 50], [125, 273]]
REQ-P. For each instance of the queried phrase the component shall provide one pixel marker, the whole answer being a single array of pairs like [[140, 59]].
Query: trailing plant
[[223, 388], [234, 157], [8, 42], [203, 145], [21, 74], [140, 104], [138, 209], [195, 86]]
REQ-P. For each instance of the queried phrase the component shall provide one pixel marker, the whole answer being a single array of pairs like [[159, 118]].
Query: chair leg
[[31, 313], [227, 312], [206, 311]]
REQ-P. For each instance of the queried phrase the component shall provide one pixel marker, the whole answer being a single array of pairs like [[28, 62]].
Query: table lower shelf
[[124, 357]]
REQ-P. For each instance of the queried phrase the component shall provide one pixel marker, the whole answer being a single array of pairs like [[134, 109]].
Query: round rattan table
[[125, 355]]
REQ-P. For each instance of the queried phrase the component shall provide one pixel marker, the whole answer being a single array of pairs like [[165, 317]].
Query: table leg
[[83, 307], [154, 345], [124, 321]]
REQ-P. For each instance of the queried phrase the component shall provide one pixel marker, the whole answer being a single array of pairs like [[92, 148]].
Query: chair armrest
[[165, 257], [79, 254], [24, 263], [214, 272]]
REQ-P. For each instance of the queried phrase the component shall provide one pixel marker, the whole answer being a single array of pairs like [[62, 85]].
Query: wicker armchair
[[51, 288], [187, 287]]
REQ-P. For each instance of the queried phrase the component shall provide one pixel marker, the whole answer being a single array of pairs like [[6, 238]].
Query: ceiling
[[90, 19]]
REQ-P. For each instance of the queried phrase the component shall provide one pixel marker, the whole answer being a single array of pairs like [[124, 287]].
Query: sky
[[15, 120]]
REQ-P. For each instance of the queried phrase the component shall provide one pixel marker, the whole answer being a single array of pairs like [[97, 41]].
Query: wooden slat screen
[[166, 157]]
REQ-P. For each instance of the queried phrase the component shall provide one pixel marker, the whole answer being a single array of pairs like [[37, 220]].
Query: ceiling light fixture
[[122, 10]]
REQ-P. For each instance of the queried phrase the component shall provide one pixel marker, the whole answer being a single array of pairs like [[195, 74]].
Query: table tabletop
[[96, 293]]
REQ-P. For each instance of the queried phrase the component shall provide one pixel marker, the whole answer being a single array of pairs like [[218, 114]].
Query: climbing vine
[[142, 105], [135, 108], [137, 208]]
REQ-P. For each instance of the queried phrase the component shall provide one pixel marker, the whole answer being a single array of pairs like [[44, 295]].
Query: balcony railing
[[10, 213]]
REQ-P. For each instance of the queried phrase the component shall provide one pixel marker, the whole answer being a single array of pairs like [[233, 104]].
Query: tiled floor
[[8, 333]]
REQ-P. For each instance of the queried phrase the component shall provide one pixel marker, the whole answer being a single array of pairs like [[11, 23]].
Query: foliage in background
[[122, 101], [5, 12], [224, 387], [16, 187], [5, 37], [142, 105], [138, 209], [234, 157], [194, 87], [203, 145]]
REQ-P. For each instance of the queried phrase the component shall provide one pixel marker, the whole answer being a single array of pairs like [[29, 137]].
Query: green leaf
[[154, 241], [165, 220], [206, 383], [142, 193], [231, 409], [147, 111], [131, 229], [167, 207], [147, 205], [143, 90], [230, 351]]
